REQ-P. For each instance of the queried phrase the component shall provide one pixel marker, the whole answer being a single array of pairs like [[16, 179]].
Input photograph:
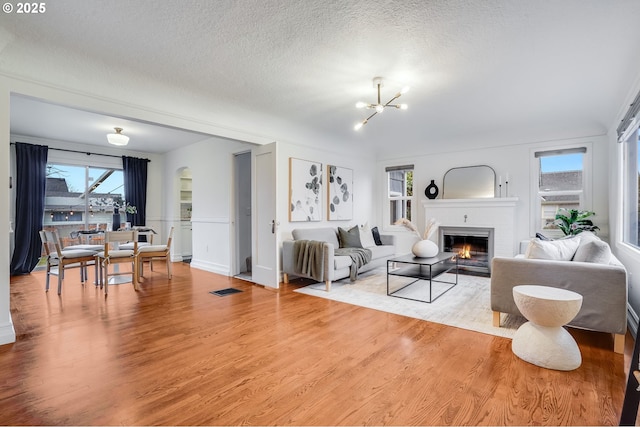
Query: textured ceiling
[[503, 71]]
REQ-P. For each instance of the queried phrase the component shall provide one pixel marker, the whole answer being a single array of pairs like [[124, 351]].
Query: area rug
[[466, 305]]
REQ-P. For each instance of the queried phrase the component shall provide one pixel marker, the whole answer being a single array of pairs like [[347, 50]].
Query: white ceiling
[[483, 70], [33, 117]]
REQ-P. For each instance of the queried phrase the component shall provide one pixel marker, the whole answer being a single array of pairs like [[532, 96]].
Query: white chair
[[155, 252], [58, 259], [115, 256]]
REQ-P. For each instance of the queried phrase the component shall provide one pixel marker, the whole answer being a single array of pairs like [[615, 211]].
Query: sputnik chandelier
[[379, 106]]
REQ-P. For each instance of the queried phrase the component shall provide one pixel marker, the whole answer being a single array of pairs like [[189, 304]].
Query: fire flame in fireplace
[[465, 252]]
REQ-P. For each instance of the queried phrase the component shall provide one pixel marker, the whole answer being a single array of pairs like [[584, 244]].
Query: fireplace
[[474, 246]]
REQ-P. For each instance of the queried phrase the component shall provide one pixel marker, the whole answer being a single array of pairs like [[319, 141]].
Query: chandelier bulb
[[403, 106], [360, 124], [405, 90], [379, 108], [361, 104]]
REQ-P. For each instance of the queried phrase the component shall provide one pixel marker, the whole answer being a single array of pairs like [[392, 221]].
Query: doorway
[[242, 190], [186, 200]]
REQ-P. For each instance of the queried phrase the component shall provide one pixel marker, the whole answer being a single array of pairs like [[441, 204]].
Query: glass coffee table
[[424, 271]]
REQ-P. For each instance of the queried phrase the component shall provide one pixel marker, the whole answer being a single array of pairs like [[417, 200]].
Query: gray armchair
[[602, 286]]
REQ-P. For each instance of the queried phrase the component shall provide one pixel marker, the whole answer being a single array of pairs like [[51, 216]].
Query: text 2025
[[31, 7]]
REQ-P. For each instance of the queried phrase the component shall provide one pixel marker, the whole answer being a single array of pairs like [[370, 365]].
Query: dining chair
[[77, 236], [145, 238], [59, 259], [155, 252], [116, 256]]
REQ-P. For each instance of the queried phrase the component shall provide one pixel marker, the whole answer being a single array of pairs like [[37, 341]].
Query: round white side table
[[542, 340]]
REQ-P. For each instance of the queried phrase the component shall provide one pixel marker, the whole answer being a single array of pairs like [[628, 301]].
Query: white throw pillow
[[559, 250], [595, 251], [366, 237]]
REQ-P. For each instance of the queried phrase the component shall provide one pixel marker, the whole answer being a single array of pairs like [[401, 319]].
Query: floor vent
[[226, 291]]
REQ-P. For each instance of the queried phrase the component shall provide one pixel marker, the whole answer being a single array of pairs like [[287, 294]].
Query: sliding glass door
[[81, 198]]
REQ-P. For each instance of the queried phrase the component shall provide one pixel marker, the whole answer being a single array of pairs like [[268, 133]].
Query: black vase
[[432, 190], [116, 222]]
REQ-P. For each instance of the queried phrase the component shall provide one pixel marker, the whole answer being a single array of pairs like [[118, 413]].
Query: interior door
[[265, 248]]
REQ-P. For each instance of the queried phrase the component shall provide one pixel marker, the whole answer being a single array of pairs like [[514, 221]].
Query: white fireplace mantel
[[461, 203], [496, 213]]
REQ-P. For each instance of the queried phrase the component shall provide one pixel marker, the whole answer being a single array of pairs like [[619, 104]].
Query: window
[[81, 197], [561, 184], [399, 192], [631, 199]]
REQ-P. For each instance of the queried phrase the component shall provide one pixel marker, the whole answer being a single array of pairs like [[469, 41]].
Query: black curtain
[[135, 188], [31, 183]]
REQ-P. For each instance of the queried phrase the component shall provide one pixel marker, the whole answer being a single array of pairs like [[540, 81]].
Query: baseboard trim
[[7, 333], [211, 267]]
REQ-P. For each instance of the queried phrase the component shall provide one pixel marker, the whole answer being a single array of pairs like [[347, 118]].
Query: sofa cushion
[[559, 250], [383, 251], [341, 262], [76, 253], [321, 234], [349, 238], [595, 251], [366, 237]]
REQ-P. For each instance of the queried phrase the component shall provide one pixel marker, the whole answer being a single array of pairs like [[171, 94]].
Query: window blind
[[560, 152], [398, 168], [632, 114]]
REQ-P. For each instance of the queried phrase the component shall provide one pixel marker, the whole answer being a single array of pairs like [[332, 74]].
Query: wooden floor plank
[[174, 354]]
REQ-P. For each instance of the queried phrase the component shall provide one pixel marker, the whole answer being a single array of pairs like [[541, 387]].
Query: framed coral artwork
[[340, 194], [305, 190]]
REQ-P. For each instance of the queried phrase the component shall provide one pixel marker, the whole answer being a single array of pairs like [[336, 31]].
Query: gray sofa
[[598, 276], [335, 267]]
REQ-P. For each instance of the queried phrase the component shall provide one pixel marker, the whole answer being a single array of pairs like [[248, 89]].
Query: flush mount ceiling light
[[117, 138], [379, 106]]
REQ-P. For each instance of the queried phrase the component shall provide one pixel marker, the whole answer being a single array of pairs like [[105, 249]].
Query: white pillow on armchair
[[559, 250]]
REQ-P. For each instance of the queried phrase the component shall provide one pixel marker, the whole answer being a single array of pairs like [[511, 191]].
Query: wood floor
[[174, 354]]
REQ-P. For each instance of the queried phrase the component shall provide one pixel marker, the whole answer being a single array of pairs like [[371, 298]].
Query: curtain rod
[[88, 153]]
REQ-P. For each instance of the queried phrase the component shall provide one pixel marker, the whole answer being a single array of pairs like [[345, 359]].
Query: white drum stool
[[542, 340]]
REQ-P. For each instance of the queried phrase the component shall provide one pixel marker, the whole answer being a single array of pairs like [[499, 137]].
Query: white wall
[[211, 165], [364, 189], [515, 160]]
